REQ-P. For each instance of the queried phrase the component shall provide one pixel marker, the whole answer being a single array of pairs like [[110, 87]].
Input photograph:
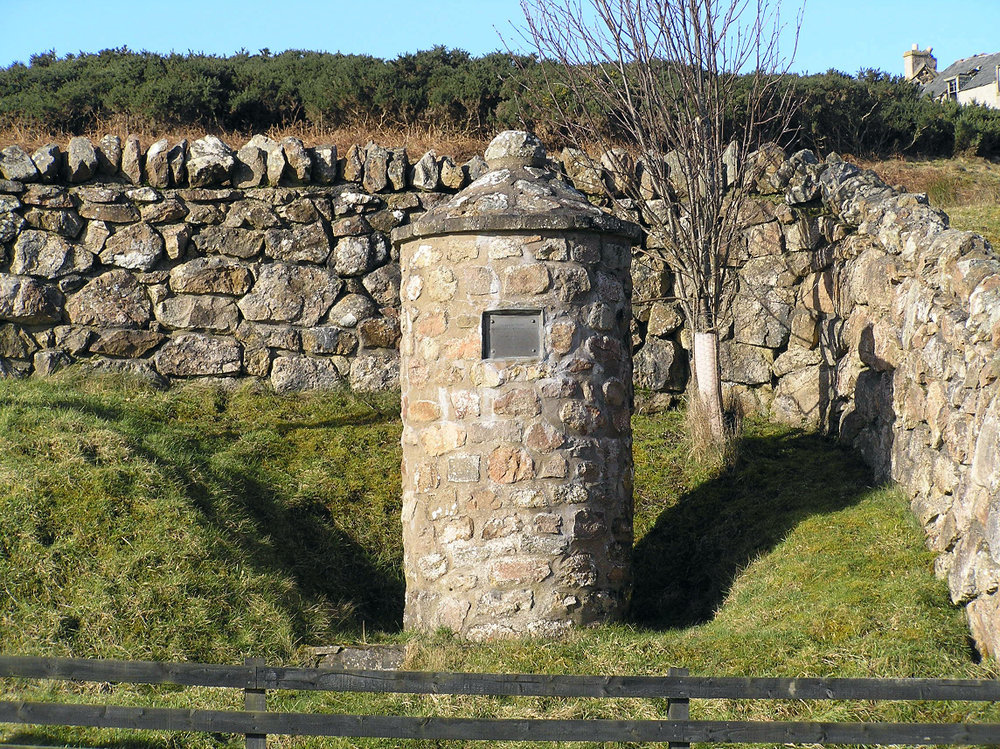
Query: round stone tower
[[516, 402]]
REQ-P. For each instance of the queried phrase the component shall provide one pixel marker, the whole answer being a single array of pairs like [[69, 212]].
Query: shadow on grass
[[684, 566], [32, 738], [266, 528]]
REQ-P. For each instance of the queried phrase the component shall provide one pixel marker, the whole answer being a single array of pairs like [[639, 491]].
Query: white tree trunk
[[706, 372]]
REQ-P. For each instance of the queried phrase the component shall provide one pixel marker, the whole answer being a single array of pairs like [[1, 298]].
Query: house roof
[[972, 72]]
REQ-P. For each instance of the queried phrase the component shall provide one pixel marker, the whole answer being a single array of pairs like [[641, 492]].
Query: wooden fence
[[256, 678]]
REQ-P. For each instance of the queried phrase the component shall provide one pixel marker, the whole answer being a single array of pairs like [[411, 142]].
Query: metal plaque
[[512, 334]]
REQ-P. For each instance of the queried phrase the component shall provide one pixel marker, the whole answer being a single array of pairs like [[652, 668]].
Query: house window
[[952, 89]]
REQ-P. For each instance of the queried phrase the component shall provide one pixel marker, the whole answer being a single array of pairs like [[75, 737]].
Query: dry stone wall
[[860, 312], [199, 261]]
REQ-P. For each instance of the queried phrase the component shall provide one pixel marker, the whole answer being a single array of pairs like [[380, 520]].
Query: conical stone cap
[[519, 193]]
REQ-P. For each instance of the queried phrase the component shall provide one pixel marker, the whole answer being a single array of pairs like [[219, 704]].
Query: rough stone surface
[[211, 275], [81, 160], [293, 373], [137, 247], [210, 162], [157, 167], [205, 312], [39, 253], [25, 300], [115, 299], [16, 165], [195, 354], [290, 293], [48, 160]]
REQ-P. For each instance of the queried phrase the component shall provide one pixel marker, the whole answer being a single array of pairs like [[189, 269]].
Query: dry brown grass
[[948, 182], [416, 140]]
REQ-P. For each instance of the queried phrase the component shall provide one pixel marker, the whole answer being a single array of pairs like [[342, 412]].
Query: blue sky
[[842, 34]]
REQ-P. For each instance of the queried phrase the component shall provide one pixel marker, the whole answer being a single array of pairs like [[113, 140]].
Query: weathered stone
[[298, 160], [241, 243], [307, 243], [324, 165], [379, 332], [137, 247], [48, 161], [352, 256], [398, 168], [744, 363], [351, 310], [64, 223], [206, 312], [249, 166], [796, 357], [299, 211], [175, 239], [354, 164], [164, 212], [124, 343], [211, 275], [426, 172], [194, 354], [177, 162], [329, 340], [10, 226], [586, 173], [297, 373], [15, 343], [375, 371], [453, 177], [39, 253], [46, 196], [383, 285], [115, 213], [664, 319], [50, 361], [525, 279], [16, 165], [798, 398], [27, 301], [81, 160], [376, 176], [257, 335], [157, 170], [291, 293], [115, 299], [132, 160], [509, 464], [109, 155], [659, 366], [210, 162]]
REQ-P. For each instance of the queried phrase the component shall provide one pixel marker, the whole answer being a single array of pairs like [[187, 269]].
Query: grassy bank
[[201, 524]]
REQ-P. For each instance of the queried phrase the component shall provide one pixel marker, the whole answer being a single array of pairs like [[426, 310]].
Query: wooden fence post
[[255, 700], [678, 709]]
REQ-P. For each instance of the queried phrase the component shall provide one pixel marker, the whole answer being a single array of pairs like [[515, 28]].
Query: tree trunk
[[707, 376]]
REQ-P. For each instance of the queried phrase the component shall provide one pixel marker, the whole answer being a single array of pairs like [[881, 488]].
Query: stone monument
[[516, 386]]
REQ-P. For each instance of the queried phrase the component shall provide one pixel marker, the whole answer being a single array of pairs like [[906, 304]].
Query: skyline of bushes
[[871, 114]]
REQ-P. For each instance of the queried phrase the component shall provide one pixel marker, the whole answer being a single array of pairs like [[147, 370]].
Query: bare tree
[[675, 94]]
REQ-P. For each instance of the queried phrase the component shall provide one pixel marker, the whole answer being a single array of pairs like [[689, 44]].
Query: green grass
[[967, 189], [207, 525]]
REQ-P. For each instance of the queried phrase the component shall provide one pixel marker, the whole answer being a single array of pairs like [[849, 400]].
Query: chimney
[[916, 60]]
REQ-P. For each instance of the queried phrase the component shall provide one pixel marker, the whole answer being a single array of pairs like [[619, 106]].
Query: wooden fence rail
[[256, 678]]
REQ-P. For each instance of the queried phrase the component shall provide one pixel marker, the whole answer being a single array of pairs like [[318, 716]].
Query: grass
[[210, 525], [967, 189]]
